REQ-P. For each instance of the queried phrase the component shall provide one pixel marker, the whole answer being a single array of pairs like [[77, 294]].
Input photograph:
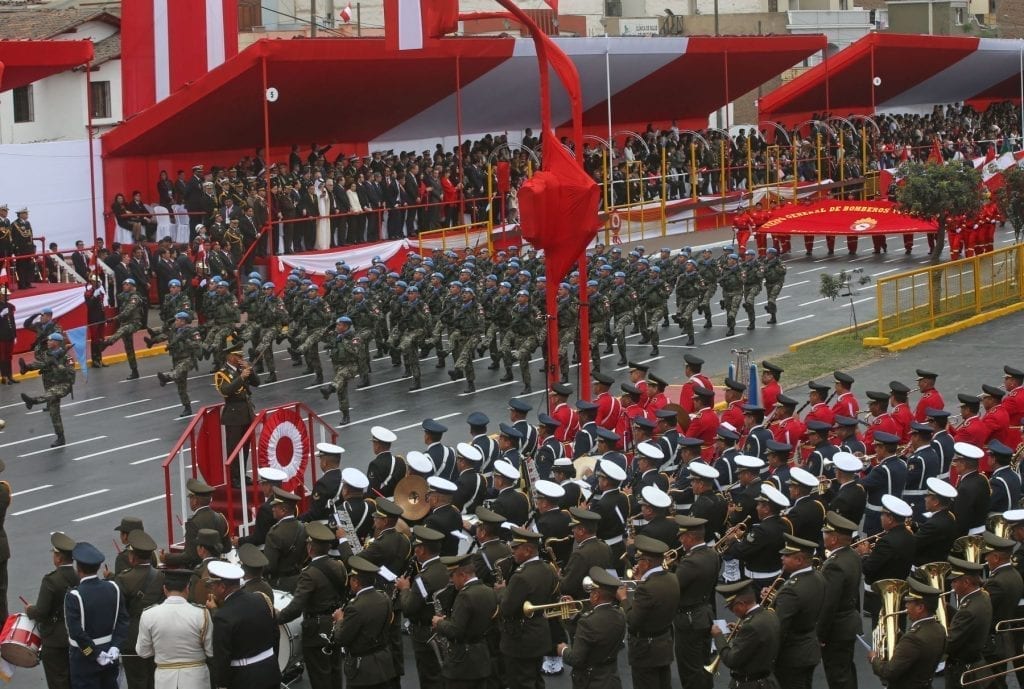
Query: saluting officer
[[203, 517], [321, 588], [245, 636], [285, 545], [418, 597], [797, 605], [649, 616], [97, 622], [749, 650], [696, 574], [920, 648], [328, 487], [141, 586], [361, 628], [467, 627], [48, 612], [970, 625], [594, 652], [839, 618]]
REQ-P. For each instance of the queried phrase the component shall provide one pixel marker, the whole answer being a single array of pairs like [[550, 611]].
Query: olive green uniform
[[320, 590], [285, 549], [594, 651], [141, 586], [649, 616], [468, 662], [57, 370], [48, 612], [525, 640], [363, 633]]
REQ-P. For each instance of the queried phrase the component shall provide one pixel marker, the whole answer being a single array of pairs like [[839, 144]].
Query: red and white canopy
[[27, 61], [356, 91], [912, 72]]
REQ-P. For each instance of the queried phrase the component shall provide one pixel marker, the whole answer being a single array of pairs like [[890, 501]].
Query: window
[[613, 8], [24, 110], [773, 5], [100, 95]]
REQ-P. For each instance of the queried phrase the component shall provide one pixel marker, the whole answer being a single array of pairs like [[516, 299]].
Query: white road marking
[[115, 449], [722, 339], [28, 440], [811, 270], [794, 284], [489, 387], [861, 301], [154, 411], [813, 301], [794, 320], [285, 380], [884, 272], [61, 447], [60, 502], [418, 424], [369, 418], [116, 406], [65, 406], [118, 509], [149, 459], [31, 490]]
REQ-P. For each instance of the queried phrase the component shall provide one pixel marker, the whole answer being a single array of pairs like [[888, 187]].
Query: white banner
[[61, 301]]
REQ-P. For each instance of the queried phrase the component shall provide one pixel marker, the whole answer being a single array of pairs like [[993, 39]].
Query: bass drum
[[289, 650]]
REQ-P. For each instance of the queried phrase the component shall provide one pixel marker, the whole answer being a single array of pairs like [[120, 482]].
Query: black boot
[[58, 442], [455, 374], [415, 384], [162, 378], [21, 366], [526, 390], [134, 375], [441, 357], [319, 377], [731, 322], [494, 366], [345, 418], [29, 402], [654, 350], [148, 341], [749, 308], [707, 317], [470, 386], [507, 377], [363, 382], [327, 390], [186, 410]]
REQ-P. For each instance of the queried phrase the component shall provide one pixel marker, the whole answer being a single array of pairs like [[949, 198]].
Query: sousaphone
[[411, 496]]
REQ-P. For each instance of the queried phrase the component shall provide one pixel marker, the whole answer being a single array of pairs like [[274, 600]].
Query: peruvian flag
[[5, 278], [408, 24], [165, 44], [346, 13]]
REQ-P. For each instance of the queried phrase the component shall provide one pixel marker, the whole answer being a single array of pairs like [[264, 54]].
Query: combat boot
[[29, 402], [327, 390], [470, 386], [507, 377], [731, 322], [162, 378], [415, 384], [363, 382]]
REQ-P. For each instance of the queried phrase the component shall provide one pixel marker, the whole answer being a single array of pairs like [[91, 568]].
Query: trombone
[[1015, 624], [985, 678], [562, 610]]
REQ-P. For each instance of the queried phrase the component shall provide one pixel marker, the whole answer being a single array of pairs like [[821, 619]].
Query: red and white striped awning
[[899, 73]]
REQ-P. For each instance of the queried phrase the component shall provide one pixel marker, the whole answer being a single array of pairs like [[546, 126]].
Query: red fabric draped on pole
[[558, 205]]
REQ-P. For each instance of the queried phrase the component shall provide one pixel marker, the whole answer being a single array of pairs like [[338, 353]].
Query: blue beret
[[174, 283], [128, 281], [344, 319], [47, 312], [184, 315], [359, 290], [56, 337], [414, 288]]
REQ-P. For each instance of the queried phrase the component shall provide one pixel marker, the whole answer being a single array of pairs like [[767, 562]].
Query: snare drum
[[289, 650], [20, 641]]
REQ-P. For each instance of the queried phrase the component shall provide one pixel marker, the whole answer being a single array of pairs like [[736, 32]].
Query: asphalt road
[[119, 432]]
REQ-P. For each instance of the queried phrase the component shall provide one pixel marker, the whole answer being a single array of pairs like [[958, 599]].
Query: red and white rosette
[[284, 444]]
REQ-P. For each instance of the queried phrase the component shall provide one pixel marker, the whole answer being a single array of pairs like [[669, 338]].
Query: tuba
[[411, 496], [936, 575], [998, 525], [888, 629], [970, 546]]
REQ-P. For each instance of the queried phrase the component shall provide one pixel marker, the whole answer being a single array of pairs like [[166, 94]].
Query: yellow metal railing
[[458, 237], [948, 291]]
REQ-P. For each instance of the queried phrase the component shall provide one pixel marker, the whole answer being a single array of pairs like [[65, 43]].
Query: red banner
[[842, 218]]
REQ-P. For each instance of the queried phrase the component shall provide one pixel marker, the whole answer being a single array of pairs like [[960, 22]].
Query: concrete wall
[[1010, 18]]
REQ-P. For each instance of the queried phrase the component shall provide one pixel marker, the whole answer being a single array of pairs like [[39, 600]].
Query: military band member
[[942, 439], [922, 464], [48, 612], [797, 604], [385, 470], [726, 453], [468, 663], [518, 410], [356, 507], [806, 513], [525, 639], [269, 478], [361, 628], [649, 616], [892, 554], [322, 587], [177, 636], [970, 625], [285, 545], [846, 430], [594, 651], [839, 621], [203, 517], [585, 441], [749, 651], [888, 477], [613, 506], [471, 486], [245, 635], [778, 457], [444, 516], [417, 600], [441, 456], [654, 505], [493, 559], [918, 651], [818, 438], [756, 444], [418, 464], [328, 486], [849, 498], [509, 440], [696, 573], [758, 550], [510, 502], [552, 522], [935, 535], [97, 623], [1004, 587], [1005, 481], [973, 491], [142, 586], [124, 527], [253, 561], [549, 447], [208, 548]]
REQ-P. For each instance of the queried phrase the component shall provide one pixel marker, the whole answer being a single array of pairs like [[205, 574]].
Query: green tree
[[939, 192], [1010, 199]]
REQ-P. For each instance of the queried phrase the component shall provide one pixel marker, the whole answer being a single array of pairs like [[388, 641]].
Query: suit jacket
[[471, 491], [973, 495], [79, 263], [243, 627], [592, 552], [797, 605], [48, 612], [807, 515]]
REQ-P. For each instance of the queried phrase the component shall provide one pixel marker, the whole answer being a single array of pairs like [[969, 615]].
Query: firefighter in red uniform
[[770, 389], [734, 400], [608, 406], [659, 399], [990, 215], [1013, 402], [969, 235], [743, 223], [900, 410], [693, 378], [846, 402], [881, 420], [786, 426], [705, 424], [930, 397], [955, 231], [759, 217], [563, 413]]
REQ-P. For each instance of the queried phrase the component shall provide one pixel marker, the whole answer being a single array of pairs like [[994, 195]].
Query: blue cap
[[359, 290], [655, 269], [506, 284], [344, 319], [254, 281], [772, 250], [47, 311], [184, 315], [734, 256], [293, 276], [522, 293], [591, 283], [402, 283], [510, 431], [128, 281], [312, 288], [87, 554], [526, 273], [541, 278], [998, 448], [605, 434], [564, 285], [268, 285], [548, 420], [414, 288], [55, 337], [492, 276], [393, 274], [727, 434], [477, 418], [432, 426], [363, 281], [419, 269], [255, 274], [174, 283], [455, 283], [468, 290], [519, 405], [887, 438], [606, 267]]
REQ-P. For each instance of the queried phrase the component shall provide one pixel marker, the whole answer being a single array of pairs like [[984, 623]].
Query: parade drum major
[[289, 649], [20, 641]]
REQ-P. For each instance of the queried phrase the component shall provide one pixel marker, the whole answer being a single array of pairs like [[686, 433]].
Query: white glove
[[103, 659], [114, 653]]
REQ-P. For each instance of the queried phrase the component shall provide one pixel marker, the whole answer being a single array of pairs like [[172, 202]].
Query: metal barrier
[[458, 237], [183, 462], [961, 288]]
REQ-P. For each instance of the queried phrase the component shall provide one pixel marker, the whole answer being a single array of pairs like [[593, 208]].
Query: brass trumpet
[[588, 584], [736, 533], [712, 667], [671, 557], [870, 540], [769, 596], [554, 611]]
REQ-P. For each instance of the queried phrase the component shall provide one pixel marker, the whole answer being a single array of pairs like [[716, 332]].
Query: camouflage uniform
[[250, 305], [412, 323], [622, 299], [654, 301], [443, 321], [774, 278], [130, 314], [365, 316], [346, 351], [315, 317], [467, 326], [690, 288], [174, 302], [57, 370], [600, 315], [752, 277], [223, 314], [521, 339], [42, 331], [184, 346], [709, 272], [568, 324], [272, 317], [731, 281]]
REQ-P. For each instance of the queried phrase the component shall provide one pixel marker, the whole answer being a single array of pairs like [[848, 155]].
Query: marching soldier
[[969, 627], [362, 628], [285, 540], [203, 517], [525, 639], [521, 338], [752, 276], [696, 575], [245, 636], [48, 612], [234, 381], [57, 370], [320, 590], [271, 318], [689, 288], [419, 598], [468, 662], [42, 328], [174, 302], [467, 328], [749, 651], [345, 350], [97, 620], [412, 321], [594, 651], [919, 650], [130, 316], [774, 277], [839, 617], [176, 635], [184, 345], [731, 280], [141, 586]]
